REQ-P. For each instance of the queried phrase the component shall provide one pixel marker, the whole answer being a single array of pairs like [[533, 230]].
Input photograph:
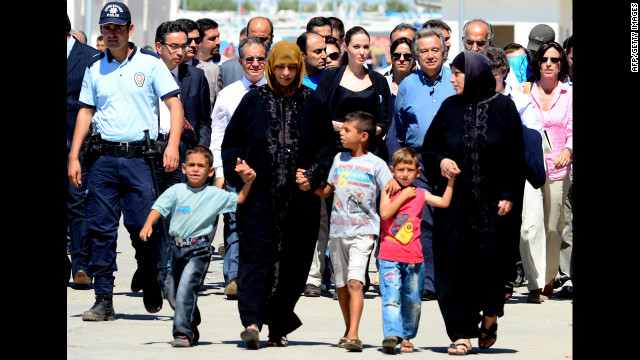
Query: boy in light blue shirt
[[194, 208]]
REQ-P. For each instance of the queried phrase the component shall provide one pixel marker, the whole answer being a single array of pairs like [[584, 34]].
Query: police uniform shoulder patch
[[139, 78]]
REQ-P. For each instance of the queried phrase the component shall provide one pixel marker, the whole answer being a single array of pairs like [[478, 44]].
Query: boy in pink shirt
[[400, 256]]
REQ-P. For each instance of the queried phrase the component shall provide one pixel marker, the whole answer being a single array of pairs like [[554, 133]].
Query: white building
[[511, 20]]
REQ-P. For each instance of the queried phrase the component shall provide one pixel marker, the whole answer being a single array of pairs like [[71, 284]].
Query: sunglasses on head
[[334, 56], [196, 39], [554, 60], [480, 43], [407, 56]]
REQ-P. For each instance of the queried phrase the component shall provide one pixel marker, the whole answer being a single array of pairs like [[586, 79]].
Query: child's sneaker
[[180, 341]]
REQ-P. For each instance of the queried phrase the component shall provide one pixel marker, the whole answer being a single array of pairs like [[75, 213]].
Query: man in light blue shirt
[[418, 100], [121, 87]]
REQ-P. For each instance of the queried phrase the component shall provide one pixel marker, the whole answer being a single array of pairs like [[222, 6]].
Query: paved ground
[[527, 331]]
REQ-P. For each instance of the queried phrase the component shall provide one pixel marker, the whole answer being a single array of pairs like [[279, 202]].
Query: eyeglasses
[[175, 47], [480, 43], [554, 60], [407, 56], [251, 59], [196, 39], [334, 56]]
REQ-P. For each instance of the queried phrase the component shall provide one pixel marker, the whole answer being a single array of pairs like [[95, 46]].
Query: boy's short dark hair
[[199, 149], [363, 122], [406, 155]]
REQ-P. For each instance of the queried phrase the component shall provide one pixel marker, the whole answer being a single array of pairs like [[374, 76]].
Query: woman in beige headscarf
[[278, 224]]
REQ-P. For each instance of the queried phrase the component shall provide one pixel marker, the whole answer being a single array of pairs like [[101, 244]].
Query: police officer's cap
[[115, 13]]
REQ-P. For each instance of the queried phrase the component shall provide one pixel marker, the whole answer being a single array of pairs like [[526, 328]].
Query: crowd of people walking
[[444, 174]]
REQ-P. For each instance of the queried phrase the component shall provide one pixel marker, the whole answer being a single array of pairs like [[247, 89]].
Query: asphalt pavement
[[526, 331]]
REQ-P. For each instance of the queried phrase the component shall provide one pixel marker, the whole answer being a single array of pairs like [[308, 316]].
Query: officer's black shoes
[[137, 281], [152, 295], [102, 309]]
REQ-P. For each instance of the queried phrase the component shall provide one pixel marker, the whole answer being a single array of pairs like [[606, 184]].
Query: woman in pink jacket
[[542, 214]]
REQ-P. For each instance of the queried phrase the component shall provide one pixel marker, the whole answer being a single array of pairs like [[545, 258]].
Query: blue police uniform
[[125, 97]]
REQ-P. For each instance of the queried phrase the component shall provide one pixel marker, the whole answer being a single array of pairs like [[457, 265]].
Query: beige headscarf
[[284, 52]]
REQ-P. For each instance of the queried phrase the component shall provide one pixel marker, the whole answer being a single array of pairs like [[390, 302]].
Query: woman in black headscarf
[[476, 136], [278, 223]]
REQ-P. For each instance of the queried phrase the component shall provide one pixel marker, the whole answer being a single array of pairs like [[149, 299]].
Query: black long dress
[[471, 242], [278, 223]]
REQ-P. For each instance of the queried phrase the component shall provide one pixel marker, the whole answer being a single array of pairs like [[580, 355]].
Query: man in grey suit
[[259, 27], [232, 71], [211, 71]]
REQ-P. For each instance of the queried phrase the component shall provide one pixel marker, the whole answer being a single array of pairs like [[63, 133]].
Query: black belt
[[121, 149], [163, 137]]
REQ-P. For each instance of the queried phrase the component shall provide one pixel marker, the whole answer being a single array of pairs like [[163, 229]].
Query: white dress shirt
[[226, 104], [165, 114]]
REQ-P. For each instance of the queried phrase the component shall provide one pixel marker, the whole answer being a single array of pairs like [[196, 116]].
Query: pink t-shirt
[[401, 233]]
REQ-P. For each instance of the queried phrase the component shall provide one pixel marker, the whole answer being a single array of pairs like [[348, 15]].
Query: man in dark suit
[[78, 55], [171, 45]]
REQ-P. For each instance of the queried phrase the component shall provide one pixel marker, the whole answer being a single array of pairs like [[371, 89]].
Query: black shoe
[[102, 309], [566, 292], [196, 335], [428, 295], [137, 281], [152, 295]]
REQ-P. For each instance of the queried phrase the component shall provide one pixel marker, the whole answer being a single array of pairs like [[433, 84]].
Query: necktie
[[253, 87]]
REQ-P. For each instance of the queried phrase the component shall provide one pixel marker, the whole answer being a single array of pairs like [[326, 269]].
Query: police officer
[[121, 88]]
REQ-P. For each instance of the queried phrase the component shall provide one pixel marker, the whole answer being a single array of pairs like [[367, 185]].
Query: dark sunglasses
[[554, 60], [196, 39], [407, 56], [480, 43], [259, 59], [334, 56]]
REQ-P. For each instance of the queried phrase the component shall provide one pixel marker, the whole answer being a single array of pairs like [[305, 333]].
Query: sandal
[[251, 337], [490, 334], [389, 344], [341, 342], [284, 342], [406, 344], [508, 290], [455, 347], [353, 345]]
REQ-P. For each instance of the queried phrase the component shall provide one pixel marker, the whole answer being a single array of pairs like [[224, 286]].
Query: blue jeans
[[189, 265], [232, 245], [401, 291]]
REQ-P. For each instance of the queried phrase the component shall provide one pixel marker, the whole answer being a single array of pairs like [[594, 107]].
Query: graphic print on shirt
[[402, 228], [359, 177], [184, 210]]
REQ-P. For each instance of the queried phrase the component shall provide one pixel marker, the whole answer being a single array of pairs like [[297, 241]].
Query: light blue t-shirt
[[194, 210], [313, 81], [125, 96], [357, 182]]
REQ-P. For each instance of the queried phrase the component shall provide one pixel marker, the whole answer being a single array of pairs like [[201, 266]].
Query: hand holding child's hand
[[302, 180], [245, 172]]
